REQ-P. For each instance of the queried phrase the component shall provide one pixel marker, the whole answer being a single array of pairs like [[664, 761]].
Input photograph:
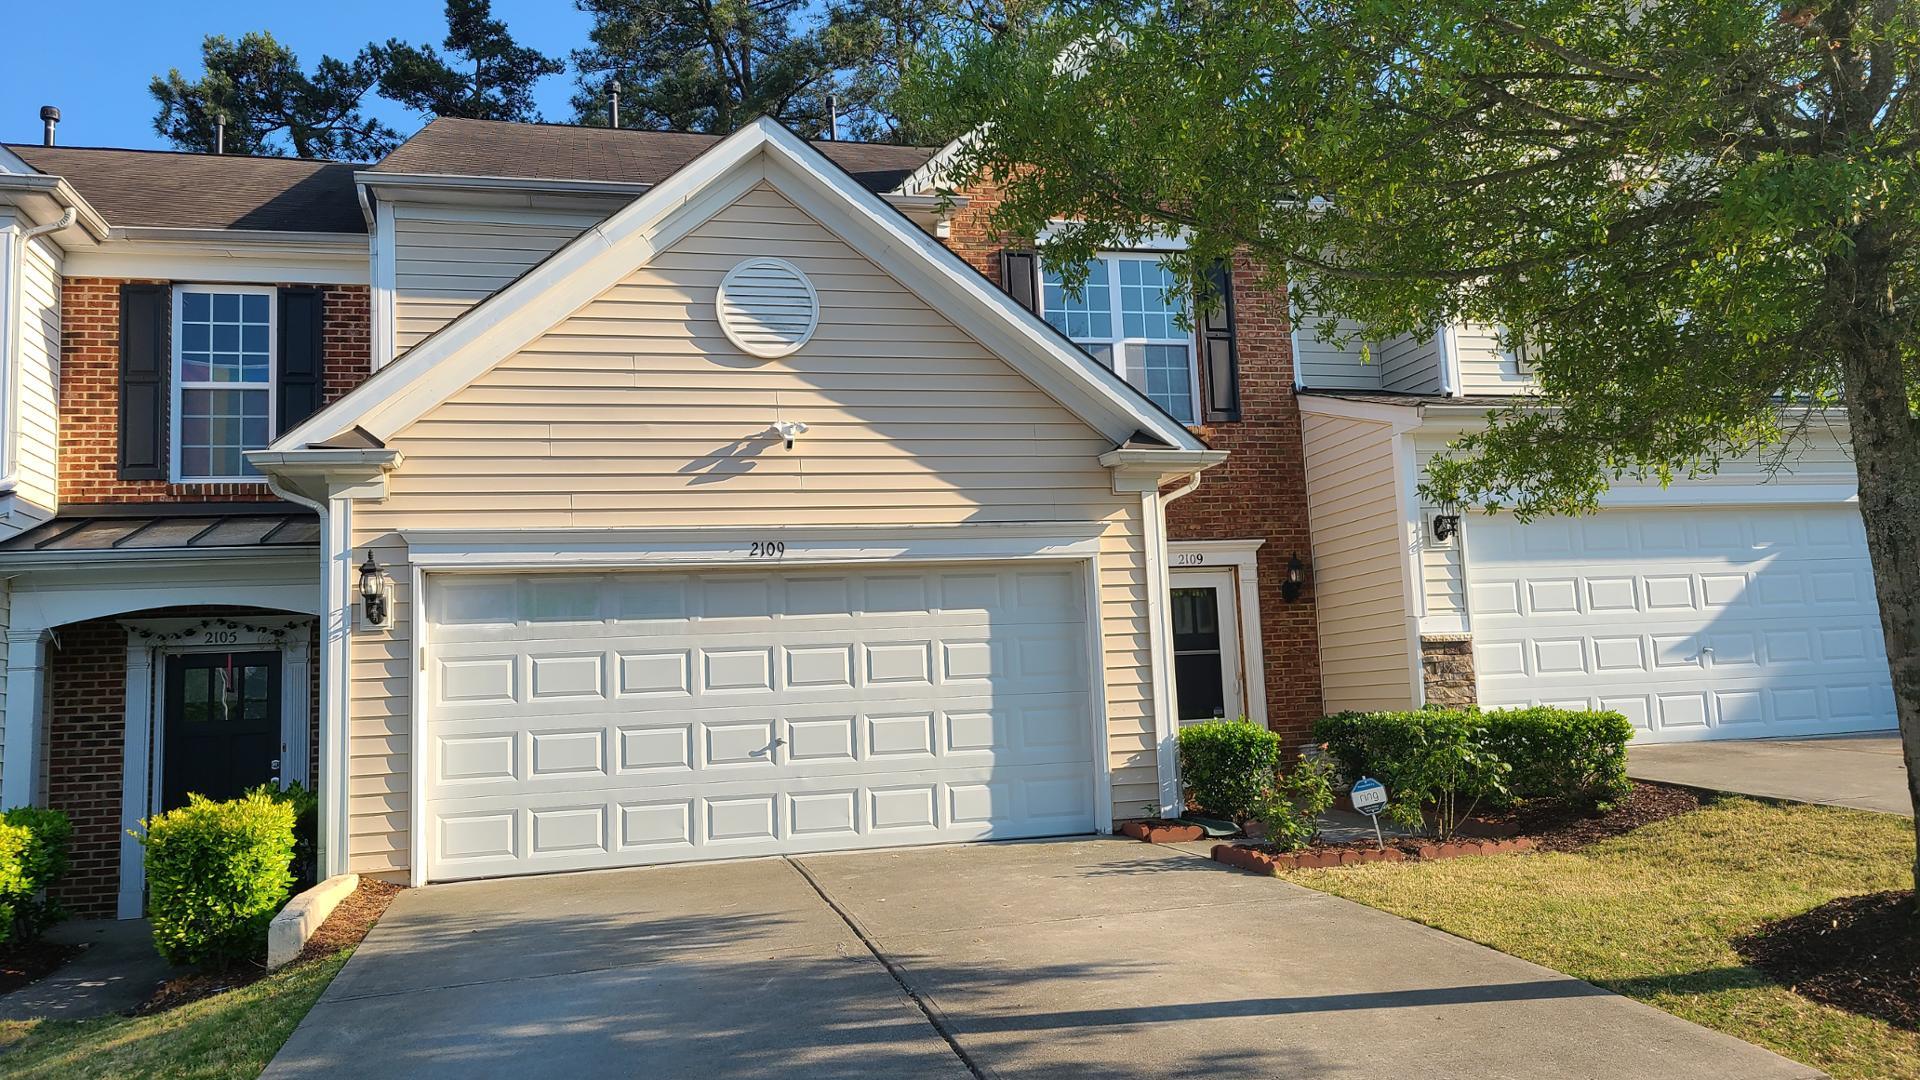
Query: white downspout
[[1160, 643], [335, 822], [10, 378]]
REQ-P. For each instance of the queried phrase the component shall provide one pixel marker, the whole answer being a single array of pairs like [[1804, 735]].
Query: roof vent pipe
[[220, 133], [613, 96], [49, 119]]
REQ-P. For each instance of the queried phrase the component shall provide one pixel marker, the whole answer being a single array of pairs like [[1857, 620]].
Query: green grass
[[227, 1037], [1651, 914]]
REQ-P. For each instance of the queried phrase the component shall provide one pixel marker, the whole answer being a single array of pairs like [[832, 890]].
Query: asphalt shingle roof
[[563, 152], [205, 191]]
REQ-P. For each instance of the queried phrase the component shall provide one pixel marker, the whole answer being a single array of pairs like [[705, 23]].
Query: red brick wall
[[1260, 491], [86, 728], [90, 397]]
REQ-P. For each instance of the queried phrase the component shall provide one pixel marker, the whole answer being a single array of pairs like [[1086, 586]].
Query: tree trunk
[[1886, 450]]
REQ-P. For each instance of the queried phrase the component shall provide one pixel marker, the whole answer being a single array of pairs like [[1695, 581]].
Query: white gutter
[[10, 374]]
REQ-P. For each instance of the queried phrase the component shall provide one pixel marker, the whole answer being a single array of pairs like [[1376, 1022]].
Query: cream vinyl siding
[[1825, 460], [1485, 367], [447, 259], [1410, 366], [636, 412], [39, 375], [1357, 525]]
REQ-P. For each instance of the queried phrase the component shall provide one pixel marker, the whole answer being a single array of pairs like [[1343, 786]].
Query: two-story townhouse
[[1733, 605], [552, 498]]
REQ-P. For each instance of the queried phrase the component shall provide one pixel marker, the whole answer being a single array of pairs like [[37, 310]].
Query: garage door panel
[[529, 833], [1694, 624], [562, 742]]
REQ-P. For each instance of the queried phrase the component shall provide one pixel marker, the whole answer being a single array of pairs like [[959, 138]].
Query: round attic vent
[[768, 307]]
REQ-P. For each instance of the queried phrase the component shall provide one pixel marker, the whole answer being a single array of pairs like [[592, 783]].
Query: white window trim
[[175, 423], [1119, 341]]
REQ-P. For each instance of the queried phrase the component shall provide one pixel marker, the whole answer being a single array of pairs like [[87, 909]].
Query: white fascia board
[[226, 255], [1170, 460], [1401, 417], [596, 260]]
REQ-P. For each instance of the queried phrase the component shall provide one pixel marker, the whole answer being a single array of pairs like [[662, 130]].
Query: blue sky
[[94, 58]]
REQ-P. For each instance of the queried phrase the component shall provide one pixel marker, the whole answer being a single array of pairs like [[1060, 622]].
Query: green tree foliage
[[1702, 219], [703, 65], [876, 44], [273, 106], [483, 75]]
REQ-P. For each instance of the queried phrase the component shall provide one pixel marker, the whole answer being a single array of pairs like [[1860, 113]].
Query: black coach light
[[373, 591], [1296, 577]]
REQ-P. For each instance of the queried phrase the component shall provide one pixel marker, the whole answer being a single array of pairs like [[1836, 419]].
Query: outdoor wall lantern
[[374, 583], [1445, 527], [1296, 577]]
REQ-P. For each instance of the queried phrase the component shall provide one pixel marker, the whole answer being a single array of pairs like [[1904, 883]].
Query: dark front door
[[222, 724], [1198, 654]]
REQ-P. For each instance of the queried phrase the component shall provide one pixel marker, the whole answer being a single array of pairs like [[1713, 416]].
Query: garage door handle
[[1705, 650]]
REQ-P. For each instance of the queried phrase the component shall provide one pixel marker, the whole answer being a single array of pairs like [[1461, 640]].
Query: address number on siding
[[766, 549]]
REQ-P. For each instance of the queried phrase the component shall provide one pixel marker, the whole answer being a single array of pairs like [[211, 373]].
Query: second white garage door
[[589, 720], [1697, 624]]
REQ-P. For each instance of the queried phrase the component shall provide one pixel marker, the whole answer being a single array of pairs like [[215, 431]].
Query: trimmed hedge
[[1228, 766], [1546, 752], [217, 873], [33, 854]]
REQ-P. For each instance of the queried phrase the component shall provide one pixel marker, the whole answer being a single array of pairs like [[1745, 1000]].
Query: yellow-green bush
[[33, 854], [217, 873]]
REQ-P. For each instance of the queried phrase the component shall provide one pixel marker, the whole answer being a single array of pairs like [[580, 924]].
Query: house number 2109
[[766, 549]]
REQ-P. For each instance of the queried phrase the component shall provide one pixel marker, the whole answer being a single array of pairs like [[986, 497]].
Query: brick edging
[[1260, 862]]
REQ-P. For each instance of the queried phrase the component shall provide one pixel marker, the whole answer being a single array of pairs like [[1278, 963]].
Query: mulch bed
[[1859, 953], [1543, 825], [32, 962], [1555, 826], [344, 928]]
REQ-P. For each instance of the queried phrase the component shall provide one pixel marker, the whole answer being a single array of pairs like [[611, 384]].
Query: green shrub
[[1482, 757], [1434, 759], [1228, 766], [34, 860], [306, 824], [217, 873], [1291, 808], [1562, 753]]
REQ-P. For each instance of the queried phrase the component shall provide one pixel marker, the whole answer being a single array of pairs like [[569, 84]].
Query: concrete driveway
[[1078, 958], [1865, 772]]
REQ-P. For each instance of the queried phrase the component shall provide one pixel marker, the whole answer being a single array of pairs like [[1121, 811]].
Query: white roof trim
[[507, 321]]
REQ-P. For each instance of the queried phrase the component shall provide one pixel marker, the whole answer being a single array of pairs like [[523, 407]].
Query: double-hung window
[[223, 378], [1127, 318]]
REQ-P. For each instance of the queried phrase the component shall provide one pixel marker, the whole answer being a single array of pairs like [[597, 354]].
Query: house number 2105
[[766, 549]]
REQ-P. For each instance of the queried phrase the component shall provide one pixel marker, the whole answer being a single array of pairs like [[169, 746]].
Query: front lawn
[[229, 1036], [1651, 914]]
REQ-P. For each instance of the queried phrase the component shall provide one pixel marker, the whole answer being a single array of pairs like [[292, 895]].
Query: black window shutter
[[301, 348], [1218, 350], [146, 323], [1020, 277]]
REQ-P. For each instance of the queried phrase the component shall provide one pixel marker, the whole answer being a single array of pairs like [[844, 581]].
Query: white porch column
[[136, 775], [26, 694]]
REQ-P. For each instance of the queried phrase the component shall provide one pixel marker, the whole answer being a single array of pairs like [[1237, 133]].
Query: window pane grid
[[224, 367], [1130, 294]]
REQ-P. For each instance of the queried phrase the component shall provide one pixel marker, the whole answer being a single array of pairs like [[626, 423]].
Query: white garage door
[[1697, 624], [589, 720]]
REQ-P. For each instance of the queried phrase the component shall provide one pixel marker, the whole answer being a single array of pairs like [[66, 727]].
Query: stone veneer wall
[[1446, 666]]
